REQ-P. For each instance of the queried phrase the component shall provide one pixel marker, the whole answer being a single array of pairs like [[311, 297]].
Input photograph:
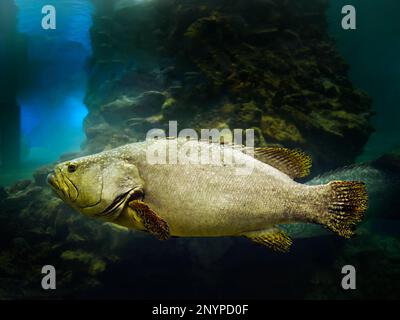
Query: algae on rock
[[271, 62]]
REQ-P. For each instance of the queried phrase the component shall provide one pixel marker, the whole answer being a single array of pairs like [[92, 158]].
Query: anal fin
[[273, 238]]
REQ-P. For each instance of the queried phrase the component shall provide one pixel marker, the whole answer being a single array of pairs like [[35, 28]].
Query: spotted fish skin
[[235, 196]]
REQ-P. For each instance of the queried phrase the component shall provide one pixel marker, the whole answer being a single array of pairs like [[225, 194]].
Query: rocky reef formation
[[37, 229], [261, 64]]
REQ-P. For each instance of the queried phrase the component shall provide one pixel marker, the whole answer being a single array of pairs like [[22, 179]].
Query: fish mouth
[[51, 180], [63, 187], [55, 185]]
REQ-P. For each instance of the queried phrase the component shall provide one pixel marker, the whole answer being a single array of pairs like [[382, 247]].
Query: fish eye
[[71, 168]]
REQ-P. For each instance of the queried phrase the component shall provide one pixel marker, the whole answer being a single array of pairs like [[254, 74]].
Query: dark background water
[[373, 51]]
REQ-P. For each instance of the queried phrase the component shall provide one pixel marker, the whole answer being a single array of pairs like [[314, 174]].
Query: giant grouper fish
[[207, 198]]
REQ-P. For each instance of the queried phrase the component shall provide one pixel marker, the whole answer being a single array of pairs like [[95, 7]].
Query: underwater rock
[[272, 62], [19, 186], [22, 198], [280, 130], [259, 37], [36, 226], [95, 130], [87, 260], [248, 114], [3, 194], [390, 161], [40, 175], [373, 279], [389, 166], [146, 104], [216, 28], [103, 135]]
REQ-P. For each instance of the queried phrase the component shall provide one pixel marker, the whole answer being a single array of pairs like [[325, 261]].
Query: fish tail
[[347, 202]]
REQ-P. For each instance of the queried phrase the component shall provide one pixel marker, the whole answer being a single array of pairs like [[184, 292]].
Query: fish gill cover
[[266, 65]]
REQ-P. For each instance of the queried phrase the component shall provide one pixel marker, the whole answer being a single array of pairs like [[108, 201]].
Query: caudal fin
[[347, 203]]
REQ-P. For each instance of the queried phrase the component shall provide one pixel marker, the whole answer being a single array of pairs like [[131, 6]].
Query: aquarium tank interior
[[82, 77]]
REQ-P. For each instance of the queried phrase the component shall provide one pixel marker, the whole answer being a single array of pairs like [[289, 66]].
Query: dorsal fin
[[295, 163]]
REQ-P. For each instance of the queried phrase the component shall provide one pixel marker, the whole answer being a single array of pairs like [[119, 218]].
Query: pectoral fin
[[150, 220], [273, 238], [294, 163]]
